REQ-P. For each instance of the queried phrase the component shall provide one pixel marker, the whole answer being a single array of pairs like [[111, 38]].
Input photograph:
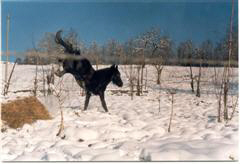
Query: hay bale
[[16, 113]]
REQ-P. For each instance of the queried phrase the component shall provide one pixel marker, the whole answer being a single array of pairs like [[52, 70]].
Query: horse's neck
[[104, 76]]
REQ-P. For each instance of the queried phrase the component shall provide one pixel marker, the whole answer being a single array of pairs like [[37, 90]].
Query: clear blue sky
[[181, 19]]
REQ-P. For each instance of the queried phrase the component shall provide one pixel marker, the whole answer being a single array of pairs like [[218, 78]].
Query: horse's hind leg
[[103, 102], [88, 95]]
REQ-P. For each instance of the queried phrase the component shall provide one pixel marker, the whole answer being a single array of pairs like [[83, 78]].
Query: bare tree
[[93, 53], [227, 67], [49, 48], [140, 69], [163, 48], [59, 93], [38, 57], [111, 50], [130, 74], [200, 56], [128, 68], [208, 51], [218, 88], [186, 51], [140, 50], [159, 47]]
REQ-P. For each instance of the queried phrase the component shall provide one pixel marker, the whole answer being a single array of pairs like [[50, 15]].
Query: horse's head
[[116, 76]]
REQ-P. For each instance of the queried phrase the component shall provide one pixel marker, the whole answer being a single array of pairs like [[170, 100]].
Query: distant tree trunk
[[192, 79], [218, 94], [198, 83], [171, 116], [159, 69], [128, 70], [9, 79], [225, 99], [199, 75], [219, 109], [142, 69], [146, 79], [43, 77], [159, 98], [138, 81], [191, 76], [227, 75], [36, 79], [131, 81]]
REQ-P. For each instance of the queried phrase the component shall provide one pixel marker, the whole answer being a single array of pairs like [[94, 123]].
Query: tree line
[[150, 47]]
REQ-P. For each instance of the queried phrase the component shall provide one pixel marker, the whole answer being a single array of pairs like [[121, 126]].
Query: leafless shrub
[[227, 73], [131, 77], [37, 56], [58, 92], [227, 68]]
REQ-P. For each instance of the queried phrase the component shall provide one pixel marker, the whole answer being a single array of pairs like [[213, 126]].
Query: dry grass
[[27, 110]]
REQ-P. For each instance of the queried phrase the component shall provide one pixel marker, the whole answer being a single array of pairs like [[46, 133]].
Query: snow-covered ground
[[133, 130]]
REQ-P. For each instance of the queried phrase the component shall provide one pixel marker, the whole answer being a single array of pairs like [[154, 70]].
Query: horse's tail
[[68, 46]]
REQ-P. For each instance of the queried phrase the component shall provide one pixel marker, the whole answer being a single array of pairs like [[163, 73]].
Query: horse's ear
[[116, 66], [113, 66]]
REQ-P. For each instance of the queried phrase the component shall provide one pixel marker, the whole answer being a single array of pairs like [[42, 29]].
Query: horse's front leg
[[88, 95], [103, 101]]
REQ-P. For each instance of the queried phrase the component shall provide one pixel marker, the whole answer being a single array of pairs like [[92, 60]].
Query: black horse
[[94, 82]]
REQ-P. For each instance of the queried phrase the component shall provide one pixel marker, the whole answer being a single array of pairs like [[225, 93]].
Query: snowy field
[[133, 130]]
